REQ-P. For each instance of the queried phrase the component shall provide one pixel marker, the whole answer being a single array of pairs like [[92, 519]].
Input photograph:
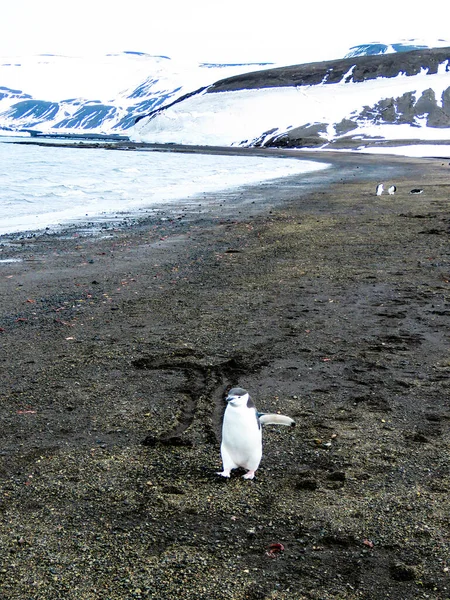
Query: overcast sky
[[287, 31]]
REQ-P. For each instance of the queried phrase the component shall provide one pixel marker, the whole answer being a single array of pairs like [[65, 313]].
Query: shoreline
[[121, 215], [328, 303], [345, 162]]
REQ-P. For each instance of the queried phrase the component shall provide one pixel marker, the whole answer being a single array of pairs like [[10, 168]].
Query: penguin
[[416, 191], [242, 435], [392, 190], [380, 188]]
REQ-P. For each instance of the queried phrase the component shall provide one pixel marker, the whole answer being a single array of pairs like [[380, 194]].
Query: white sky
[[287, 31]]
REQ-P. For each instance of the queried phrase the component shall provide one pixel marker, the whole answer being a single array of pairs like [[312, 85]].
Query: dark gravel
[[328, 303]]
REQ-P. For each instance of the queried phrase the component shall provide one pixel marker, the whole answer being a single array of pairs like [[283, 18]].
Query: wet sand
[[328, 303]]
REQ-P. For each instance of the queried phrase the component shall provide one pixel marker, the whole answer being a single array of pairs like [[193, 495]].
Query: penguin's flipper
[[272, 419]]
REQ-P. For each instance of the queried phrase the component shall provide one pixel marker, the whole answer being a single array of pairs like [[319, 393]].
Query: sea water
[[50, 187]]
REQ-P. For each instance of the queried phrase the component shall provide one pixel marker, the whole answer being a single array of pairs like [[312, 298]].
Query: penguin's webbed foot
[[224, 473], [249, 475]]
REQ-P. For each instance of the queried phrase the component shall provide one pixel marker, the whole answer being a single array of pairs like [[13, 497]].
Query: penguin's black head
[[237, 392], [236, 395]]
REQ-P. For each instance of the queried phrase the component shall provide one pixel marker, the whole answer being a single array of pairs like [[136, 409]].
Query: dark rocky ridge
[[365, 67]]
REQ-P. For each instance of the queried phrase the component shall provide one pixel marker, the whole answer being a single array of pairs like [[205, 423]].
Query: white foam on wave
[[46, 187]]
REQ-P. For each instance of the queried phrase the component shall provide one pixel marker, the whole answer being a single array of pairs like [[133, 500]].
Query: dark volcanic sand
[[328, 303]]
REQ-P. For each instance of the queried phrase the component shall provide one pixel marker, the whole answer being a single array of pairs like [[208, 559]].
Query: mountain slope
[[392, 96], [97, 95]]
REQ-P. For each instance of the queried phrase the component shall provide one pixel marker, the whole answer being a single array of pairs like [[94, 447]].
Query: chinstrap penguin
[[242, 435], [392, 190], [380, 188]]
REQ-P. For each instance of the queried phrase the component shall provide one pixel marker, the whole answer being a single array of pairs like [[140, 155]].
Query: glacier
[[98, 95]]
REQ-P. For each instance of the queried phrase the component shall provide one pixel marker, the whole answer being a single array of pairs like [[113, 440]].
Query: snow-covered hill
[[374, 48], [96, 94], [399, 96], [380, 91]]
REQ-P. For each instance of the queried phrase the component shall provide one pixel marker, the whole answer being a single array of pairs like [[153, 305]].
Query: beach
[[328, 303]]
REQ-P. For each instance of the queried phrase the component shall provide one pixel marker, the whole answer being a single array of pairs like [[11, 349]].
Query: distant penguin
[[416, 191], [242, 435], [392, 190], [380, 188]]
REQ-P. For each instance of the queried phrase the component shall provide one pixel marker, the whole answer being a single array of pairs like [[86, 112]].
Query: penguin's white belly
[[241, 439]]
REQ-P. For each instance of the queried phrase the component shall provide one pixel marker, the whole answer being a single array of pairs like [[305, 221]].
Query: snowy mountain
[[399, 96], [378, 92], [374, 48], [97, 94]]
